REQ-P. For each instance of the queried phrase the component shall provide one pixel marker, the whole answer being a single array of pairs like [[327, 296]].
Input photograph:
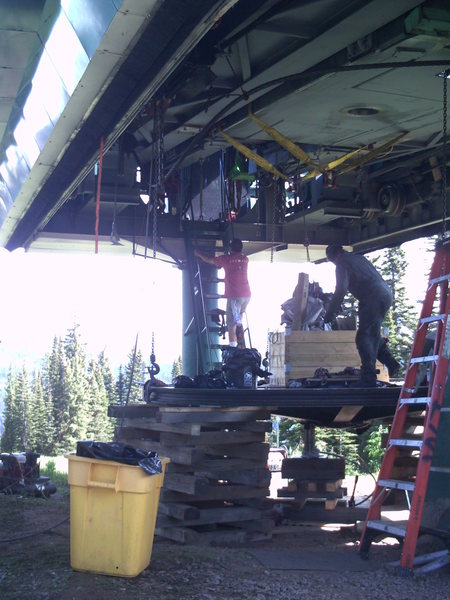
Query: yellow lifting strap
[[296, 151], [373, 153], [259, 160], [283, 141]]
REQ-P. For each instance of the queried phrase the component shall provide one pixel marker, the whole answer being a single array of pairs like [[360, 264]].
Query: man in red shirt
[[237, 288]]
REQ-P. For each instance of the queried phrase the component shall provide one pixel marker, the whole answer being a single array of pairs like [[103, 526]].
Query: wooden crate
[[299, 354]]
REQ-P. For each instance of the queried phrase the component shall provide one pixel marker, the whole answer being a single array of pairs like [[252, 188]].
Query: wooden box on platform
[[216, 486], [299, 354]]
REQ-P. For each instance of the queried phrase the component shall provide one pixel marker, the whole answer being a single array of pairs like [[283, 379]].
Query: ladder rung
[[406, 443], [438, 280], [214, 296], [422, 359], [379, 525], [397, 484], [424, 400], [432, 319]]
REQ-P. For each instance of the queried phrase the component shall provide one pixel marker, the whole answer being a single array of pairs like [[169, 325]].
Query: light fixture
[[443, 74], [138, 174], [362, 111], [144, 197]]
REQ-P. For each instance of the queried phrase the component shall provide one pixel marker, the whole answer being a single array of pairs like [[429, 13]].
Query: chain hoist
[[444, 156], [153, 369]]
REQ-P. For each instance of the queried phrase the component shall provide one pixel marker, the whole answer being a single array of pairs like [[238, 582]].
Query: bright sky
[[115, 298]]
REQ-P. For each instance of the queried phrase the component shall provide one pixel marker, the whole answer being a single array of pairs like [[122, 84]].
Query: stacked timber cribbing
[[216, 485]]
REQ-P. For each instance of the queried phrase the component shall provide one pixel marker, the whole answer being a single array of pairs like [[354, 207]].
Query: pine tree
[[100, 427], [23, 407], [121, 387], [290, 434], [339, 442], [55, 391], [176, 368], [133, 378], [401, 320], [108, 378], [40, 416], [10, 437]]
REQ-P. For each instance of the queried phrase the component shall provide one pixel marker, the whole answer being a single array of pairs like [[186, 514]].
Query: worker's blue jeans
[[371, 313]]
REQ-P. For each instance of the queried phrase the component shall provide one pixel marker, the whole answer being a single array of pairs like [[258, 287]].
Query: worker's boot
[[384, 356]]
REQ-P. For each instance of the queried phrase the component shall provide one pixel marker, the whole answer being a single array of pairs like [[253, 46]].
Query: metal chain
[[158, 188], [274, 197], [444, 158], [306, 242], [201, 190]]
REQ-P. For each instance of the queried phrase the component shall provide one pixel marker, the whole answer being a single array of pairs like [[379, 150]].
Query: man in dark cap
[[357, 275], [237, 288]]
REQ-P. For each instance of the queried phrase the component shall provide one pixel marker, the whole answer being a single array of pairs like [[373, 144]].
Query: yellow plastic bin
[[113, 510]]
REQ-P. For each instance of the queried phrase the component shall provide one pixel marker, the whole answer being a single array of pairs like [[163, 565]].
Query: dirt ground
[[302, 560]]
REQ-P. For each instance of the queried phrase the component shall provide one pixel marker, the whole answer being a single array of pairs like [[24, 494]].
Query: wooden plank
[[185, 483], [319, 486], [264, 525], [347, 413], [135, 433], [133, 411], [259, 477], [313, 469], [180, 454], [212, 437], [259, 451], [213, 515], [154, 425], [219, 415], [178, 534], [255, 426], [320, 337], [179, 511], [220, 492], [300, 297], [214, 466]]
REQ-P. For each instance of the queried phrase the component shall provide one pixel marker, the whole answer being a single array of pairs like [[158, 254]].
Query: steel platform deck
[[327, 406]]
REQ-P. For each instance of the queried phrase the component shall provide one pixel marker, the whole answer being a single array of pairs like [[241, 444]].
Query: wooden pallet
[[216, 485]]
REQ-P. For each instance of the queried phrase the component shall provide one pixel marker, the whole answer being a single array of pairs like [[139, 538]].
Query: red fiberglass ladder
[[409, 402]]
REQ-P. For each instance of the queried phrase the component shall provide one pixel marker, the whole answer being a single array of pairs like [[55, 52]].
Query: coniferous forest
[[67, 399]]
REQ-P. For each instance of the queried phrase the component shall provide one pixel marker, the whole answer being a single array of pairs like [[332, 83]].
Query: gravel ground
[[306, 560]]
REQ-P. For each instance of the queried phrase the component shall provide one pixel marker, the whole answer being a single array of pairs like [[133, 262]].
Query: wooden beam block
[[259, 477], [347, 414], [313, 469], [212, 437], [213, 515], [132, 411], [185, 483], [154, 425], [265, 525], [215, 466], [259, 451], [192, 414], [300, 296], [219, 492], [179, 511], [182, 535], [180, 454]]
